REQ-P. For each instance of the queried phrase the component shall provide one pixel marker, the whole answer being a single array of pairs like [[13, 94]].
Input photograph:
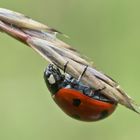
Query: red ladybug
[[76, 99]]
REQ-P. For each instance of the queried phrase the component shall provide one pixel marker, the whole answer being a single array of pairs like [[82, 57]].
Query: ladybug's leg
[[73, 82], [97, 94], [65, 66], [80, 77], [99, 90]]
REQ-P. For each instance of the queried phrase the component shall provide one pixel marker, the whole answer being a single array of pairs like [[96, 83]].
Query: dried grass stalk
[[42, 39]]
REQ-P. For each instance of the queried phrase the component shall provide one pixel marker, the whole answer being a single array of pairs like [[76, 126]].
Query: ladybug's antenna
[[80, 77]]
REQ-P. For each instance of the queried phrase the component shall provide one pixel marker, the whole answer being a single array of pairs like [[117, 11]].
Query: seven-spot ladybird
[[76, 99]]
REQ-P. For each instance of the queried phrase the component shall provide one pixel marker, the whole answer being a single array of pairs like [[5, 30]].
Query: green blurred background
[[108, 32]]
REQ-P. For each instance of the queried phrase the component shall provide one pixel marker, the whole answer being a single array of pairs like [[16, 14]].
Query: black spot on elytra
[[76, 116], [104, 114], [76, 102]]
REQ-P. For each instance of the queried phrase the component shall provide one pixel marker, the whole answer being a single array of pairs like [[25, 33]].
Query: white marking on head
[[51, 79]]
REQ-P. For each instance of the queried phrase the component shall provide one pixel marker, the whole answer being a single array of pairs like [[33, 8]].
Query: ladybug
[[76, 99]]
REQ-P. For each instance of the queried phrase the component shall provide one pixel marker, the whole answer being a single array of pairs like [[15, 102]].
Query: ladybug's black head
[[53, 78]]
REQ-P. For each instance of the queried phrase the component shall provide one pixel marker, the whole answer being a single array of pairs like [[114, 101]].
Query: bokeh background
[[108, 32]]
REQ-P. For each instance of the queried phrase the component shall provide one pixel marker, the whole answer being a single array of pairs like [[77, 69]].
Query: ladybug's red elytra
[[76, 99]]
